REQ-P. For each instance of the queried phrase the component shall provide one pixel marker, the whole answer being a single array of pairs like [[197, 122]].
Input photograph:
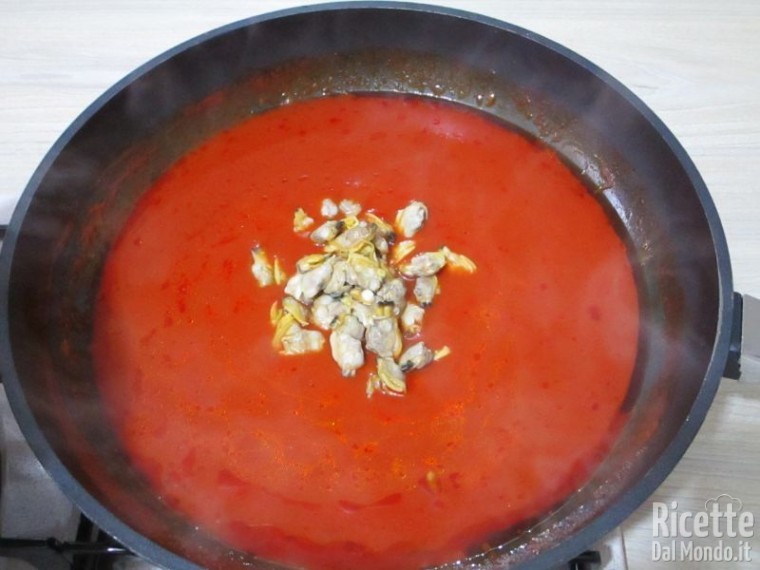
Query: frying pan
[[83, 192]]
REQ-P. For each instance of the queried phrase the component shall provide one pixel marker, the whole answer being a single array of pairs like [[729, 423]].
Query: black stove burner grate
[[92, 549], [95, 550]]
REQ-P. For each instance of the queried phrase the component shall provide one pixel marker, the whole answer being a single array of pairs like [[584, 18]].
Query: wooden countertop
[[696, 63]]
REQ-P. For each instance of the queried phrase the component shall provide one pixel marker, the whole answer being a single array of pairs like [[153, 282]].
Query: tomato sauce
[[281, 456]]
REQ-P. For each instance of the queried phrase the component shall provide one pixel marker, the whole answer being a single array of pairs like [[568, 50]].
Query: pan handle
[[3, 230], [744, 352]]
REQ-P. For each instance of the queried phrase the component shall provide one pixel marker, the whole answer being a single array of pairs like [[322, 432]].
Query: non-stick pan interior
[[84, 191]]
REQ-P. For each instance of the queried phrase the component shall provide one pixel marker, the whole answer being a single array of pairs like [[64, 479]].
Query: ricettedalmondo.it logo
[[721, 532]]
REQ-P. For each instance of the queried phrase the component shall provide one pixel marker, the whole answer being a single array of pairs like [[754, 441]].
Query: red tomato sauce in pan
[[283, 457]]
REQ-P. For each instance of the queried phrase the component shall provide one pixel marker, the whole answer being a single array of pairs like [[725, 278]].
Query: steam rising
[[167, 112]]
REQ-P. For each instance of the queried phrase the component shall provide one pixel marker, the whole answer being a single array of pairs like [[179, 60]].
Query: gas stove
[[697, 77]]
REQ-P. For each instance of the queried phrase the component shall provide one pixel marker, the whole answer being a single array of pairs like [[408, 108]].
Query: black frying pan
[[84, 190]]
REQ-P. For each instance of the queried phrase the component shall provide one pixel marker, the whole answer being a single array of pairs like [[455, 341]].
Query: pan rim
[[620, 509]]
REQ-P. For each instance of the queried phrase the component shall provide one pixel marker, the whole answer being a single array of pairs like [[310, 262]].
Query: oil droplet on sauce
[[285, 458]]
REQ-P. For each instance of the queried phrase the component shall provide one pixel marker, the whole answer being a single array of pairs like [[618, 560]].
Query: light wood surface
[[696, 63]]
